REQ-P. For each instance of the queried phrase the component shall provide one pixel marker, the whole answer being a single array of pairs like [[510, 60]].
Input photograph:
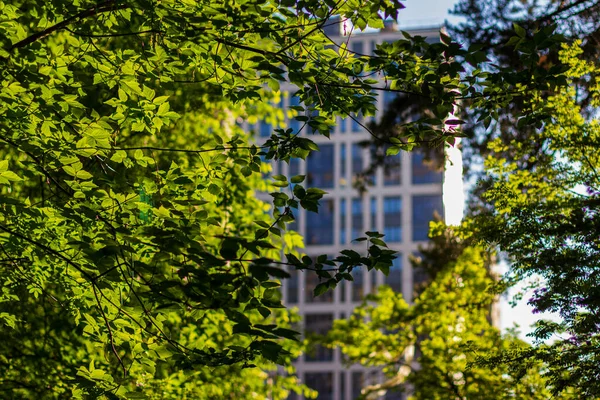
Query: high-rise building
[[400, 203]]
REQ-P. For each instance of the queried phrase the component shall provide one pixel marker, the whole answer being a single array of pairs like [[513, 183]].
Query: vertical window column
[[394, 278], [319, 227], [293, 123], [319, 167], [357, 160], [392, 171], [422, 173], [291, 296], [312, 280], [392, 219], [373, 208], [357, 284], [322, 382], [343, 182], [343, 223], [318, 324], [357, 219], [423, 209]]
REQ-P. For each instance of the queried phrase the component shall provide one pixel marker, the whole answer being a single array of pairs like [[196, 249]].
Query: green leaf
[[321, 288], [519, 30], [297, 179]]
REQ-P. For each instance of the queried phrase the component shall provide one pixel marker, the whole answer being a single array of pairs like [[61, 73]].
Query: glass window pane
[[312, 280], [394, 278], [357, 284], [423, 209], [357, 219], [319, 227], [388, 99], [342, 124], [343, 228], [357, 160], [264, 129], [293, 225], [343, 385], [391, 170], [356, 122], [318, 324], [394, 394], [319, 167], [374, 214], [422, 173], [292, 287], [343, 172], [357, 383], [294, 124], [322, 382], [357, 47], [392, 219]]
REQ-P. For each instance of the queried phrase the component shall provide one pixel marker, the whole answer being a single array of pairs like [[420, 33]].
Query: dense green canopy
[[135, 259]]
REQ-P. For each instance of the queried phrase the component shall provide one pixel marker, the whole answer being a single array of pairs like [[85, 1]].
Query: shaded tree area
[[490, 26], [438, 346]]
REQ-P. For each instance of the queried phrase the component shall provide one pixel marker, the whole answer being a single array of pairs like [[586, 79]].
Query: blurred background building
[[400, 203]]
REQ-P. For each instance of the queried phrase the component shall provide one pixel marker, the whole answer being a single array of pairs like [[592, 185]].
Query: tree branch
[[106, 6]]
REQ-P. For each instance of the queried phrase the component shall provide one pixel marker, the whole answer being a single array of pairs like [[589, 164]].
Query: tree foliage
[[435, 344], [491, 26], [135, 259], [546, 220]]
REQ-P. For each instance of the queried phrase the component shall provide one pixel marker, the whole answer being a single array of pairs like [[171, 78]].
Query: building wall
[[399, 204]]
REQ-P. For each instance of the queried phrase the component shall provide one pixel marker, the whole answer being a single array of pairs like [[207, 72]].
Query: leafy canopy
[[134, 254], [546, 220], [433, 348]]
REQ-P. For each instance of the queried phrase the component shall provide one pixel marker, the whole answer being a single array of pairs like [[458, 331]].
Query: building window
[[423, 209], [322, 382], [318, 324], [392, 170], [269, 166], [357, 284], [357, 218], [388, 99], [358, 382], [394, 278], [343, 171], [292, 287], [295, 125], [393, 394], [312, 280], [357, 120], [342, 124], [419, 274], [357, 160], [294, 225], [392, 219], [374, 285], [374, 214], [343, 227], [358, 47], [343, 385], [294, 166], [319, 227], [319, 167], [264, 129], [423, 173]]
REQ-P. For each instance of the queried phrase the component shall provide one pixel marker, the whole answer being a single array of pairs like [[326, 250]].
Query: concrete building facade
[[400, 204]]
